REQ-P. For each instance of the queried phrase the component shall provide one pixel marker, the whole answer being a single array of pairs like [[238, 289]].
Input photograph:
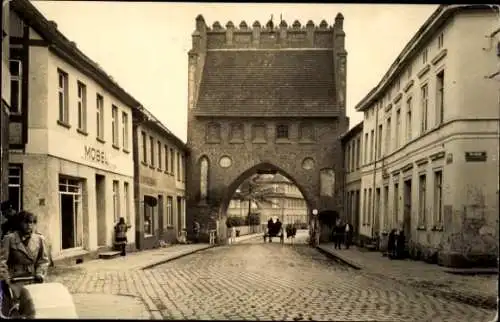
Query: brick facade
[[245, 83]]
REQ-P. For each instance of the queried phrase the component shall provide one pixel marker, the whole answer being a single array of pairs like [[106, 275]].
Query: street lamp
[[238, 192]]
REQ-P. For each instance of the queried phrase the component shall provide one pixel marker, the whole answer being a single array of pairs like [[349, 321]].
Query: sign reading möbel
[[95, 155]]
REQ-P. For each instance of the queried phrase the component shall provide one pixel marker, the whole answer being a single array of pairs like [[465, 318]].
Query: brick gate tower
[[265, 99]]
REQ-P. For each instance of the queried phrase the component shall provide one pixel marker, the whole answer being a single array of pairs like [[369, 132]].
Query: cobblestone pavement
[[479, 290], [257, 281], [273, 282]]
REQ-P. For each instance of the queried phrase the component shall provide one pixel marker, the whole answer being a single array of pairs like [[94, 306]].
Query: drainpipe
[[375, 147]]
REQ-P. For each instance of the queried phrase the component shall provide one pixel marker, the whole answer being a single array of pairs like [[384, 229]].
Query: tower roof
[[266, 80]]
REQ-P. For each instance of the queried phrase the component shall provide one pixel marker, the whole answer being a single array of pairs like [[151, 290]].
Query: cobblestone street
[[258, 281]]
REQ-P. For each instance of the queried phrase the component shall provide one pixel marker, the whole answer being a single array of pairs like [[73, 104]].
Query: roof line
[[271, 49], [438, 16]]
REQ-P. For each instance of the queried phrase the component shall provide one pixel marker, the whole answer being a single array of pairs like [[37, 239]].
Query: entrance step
[[109, 255]]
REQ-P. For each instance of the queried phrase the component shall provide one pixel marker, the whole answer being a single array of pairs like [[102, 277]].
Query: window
[[424, 100], [82, 106], [408, 119], [152, 150], [440, 41], [15, 68], [388, 136], [100, 117], [126, 201], [365, 210], [398, 85], [63, 97], [71, 213], [438, 198], [369, 210], [372, 150], [440, 97], [353, 155], [178, 159], [182, 167], [347, 154], [15, 187], [398, 128], [424, 55], [170, 211], [125, 130], [396, 206], [409, 71], [166, 158], [421, 199], [116, 200], [379, 142], [365, 158], [144, 147], [282, 131], [358, 152], [160, 158], [172, 168], [114, 125], [149, 214]]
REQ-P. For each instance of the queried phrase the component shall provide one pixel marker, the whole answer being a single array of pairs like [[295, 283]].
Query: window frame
[[99, 117], [115, 138], [282, 132], [424, 108], [62, 89], [19, 79], [81, 89], [125, 135]]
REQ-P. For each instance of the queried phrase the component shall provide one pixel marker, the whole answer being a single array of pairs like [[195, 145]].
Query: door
[[100, 209], [161, 213], [407, 209]]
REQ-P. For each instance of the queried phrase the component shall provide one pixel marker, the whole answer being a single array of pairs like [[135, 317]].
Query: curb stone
[[350, 263], [163, 261]]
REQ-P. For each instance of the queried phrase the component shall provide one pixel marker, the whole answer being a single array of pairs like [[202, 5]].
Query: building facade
[[352, 141], [4, 109], [71, 159], [265, 98], [285, 201], [159, 193], [429, 161]]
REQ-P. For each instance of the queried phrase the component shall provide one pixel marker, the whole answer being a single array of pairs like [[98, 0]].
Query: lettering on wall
[[95, 155], [148, 181], [475, 156]]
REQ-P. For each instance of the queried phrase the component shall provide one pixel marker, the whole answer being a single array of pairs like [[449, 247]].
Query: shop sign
[[95, 155]]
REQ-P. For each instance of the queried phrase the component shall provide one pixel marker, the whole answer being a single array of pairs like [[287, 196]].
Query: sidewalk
[[478, 290], [143, 259]]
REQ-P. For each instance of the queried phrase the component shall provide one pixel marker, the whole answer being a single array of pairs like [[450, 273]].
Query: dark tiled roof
[[261, 80]]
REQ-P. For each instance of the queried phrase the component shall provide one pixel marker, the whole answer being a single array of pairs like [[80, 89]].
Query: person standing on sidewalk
[[121, 229], [347, 236], [233, 235], [338, 231], [196, 231]]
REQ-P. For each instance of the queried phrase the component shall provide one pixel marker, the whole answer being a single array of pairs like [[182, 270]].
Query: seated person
[[15, 300]]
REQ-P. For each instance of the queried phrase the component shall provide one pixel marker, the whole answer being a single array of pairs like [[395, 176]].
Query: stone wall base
[[459, 260]]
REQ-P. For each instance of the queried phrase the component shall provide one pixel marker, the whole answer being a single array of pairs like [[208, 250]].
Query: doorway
[[179, 214], [71, 214], [407, 209], [160, 216], [100, 197]]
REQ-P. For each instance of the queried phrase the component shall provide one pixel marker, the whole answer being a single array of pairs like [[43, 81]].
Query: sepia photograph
[[249, 161]]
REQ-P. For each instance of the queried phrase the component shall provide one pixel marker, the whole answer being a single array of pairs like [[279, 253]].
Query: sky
[[144, 45]]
